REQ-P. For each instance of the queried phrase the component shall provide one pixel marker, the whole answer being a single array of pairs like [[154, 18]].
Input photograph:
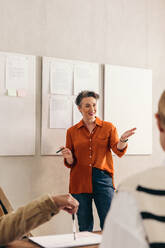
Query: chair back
[[5, 207]]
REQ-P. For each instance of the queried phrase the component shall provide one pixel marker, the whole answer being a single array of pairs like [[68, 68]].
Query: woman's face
[[88, 108]]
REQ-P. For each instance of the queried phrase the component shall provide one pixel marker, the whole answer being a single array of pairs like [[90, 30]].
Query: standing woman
[[88, 155]]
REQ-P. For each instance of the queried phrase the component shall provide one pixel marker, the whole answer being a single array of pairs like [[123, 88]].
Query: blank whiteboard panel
[[17, 118], [56, 72], [128, 104]]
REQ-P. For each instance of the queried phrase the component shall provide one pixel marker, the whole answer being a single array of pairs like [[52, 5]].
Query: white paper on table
[[66, 240], [16, 72], [61, 78], [60, 111], [86, 77]]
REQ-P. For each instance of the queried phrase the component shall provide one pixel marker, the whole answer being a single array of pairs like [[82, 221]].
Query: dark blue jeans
[[102, 195]]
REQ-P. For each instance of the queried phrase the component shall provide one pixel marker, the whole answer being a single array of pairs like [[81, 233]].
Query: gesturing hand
[[127, 134]]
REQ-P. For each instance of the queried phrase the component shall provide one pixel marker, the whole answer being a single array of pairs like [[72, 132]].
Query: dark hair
[[85, 93]]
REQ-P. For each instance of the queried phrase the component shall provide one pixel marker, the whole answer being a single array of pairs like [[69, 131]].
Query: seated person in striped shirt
[[137, 215]]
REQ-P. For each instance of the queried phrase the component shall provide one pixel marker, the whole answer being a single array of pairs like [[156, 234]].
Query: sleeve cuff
[[120, 153], [69, 165]]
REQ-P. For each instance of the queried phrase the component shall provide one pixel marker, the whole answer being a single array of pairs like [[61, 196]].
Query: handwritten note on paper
[[61, 78], [77, 116], [67, 240], [60, 112], [86, 77], [16, 72]]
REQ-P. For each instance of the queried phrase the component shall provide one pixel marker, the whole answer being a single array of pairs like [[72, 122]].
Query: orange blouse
[[90, 150]]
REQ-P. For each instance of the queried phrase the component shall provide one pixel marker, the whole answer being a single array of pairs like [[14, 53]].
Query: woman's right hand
[[67, 154]]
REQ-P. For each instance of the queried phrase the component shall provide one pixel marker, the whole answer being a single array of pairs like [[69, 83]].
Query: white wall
[[120, 32]]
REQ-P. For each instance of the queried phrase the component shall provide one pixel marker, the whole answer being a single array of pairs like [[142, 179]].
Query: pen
[[74, 226], [60, 150]]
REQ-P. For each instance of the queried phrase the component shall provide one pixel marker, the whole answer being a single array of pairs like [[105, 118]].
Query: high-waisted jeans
[[102, 195]]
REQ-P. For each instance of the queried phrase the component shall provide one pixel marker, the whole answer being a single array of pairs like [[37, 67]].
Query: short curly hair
[[85, 93]]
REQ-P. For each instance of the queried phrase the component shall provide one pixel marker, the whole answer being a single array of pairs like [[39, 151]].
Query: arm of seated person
[[17, 223]]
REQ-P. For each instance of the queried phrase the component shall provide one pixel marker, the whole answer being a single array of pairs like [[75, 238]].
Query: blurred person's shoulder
[[149, 178]]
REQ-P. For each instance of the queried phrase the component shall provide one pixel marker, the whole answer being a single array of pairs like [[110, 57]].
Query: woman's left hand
[[127, 134]]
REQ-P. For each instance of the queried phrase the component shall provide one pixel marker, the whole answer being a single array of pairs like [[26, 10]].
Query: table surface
[[28, 244]]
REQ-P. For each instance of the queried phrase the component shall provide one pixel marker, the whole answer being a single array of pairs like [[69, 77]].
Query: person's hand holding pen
[[67, 154], [69, 204], [66, 202]]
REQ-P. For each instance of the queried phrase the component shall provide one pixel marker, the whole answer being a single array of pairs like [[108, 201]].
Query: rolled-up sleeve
[[16, 224], [69, 144], [114, 139]]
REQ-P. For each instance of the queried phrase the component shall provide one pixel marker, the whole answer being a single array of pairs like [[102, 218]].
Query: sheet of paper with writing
[[67, 240]]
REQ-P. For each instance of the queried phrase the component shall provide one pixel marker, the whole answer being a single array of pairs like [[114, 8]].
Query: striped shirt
[[149, 190]]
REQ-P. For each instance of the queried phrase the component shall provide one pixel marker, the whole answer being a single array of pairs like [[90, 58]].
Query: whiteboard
[[17, 118], [75, 73], [128, 104]]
